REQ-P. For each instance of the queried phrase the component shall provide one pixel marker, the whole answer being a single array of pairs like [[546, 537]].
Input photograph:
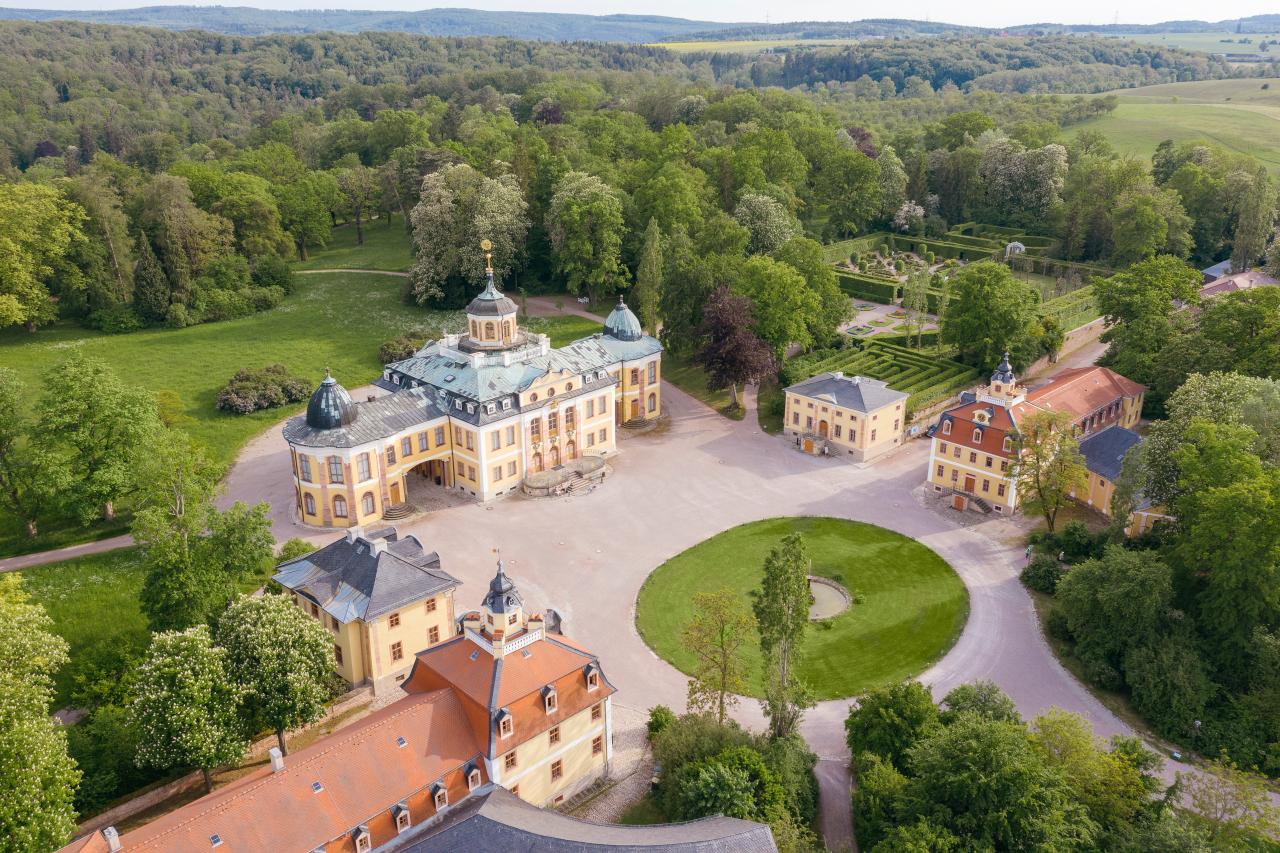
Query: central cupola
[[491, 316]]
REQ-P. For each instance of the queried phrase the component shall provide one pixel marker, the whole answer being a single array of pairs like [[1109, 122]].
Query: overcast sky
[[988, 13]]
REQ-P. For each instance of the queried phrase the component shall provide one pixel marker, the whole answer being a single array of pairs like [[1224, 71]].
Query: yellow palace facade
[[475, 412]]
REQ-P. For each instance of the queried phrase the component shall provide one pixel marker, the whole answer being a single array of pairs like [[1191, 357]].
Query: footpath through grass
[[913, 609]]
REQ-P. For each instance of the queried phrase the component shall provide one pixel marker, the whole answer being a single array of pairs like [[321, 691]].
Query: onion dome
[[503, 597], [1004, 372], [330, 406], [623, 324], [491, 302]]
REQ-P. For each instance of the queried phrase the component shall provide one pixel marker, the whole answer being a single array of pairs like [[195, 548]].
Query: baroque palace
[[477, 412]]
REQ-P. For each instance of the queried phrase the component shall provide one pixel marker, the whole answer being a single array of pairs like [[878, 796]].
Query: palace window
[[653, 402], [462, 468], [597, 745], [569, 417], [591, 439], [391, 455], [406, 446], [362, 467], [635, 376], [511, 436], [873, 435], [989, 461], [340, 506], [535, 428], [366, 503], [337, 653], [439, 436], [397, 651], [510, 762], [310, 503], [304, 467], [946, 427], [506, 328], [471, 473], [422, 442], [315, 610], [591, 408], [497, 472], [475, 329], [955, 451], [471, 441], [977, 436], [511, 620], [986, 485], [596, 711], [473, 779], [604, 436], [795, 418], [557, 770], [837, 430], [335, 469], [495, 440], [553, 421], [393, 621], [457, 435], [431, 605], [942, 448], [1000, 489], [940, 469], [973, 458], [653, 372], [553, 736], [433, 635]]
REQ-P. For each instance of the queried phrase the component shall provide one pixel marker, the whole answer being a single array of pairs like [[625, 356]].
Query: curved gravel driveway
[[588, 555]]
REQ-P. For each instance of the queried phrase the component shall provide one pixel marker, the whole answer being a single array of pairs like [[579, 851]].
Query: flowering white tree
[[910, 217], [186, 707], [37, 778], [281, 658], [769, 223]]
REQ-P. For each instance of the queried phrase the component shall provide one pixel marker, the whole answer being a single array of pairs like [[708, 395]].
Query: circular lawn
[[909, 606]]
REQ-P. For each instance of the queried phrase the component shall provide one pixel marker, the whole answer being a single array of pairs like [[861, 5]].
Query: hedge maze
[[925, 378]]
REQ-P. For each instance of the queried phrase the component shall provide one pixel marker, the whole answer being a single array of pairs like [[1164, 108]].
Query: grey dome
[[1004, 372], [330, 406], [491, 301], [623, 324], [503, 596]]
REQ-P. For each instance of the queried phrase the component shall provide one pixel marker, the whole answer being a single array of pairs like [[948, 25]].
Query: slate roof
[[374, 420], [1104, 451], [491, 301], [860, 393], [363, 577], [500, 821], [622, 323]]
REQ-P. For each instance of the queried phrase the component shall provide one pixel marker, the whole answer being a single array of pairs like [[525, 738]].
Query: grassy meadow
[[1237, 115], [1222, 42]]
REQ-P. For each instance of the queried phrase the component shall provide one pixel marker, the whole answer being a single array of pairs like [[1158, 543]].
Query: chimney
[[113, 839], [354, 532], [277, 759], [377, 546]]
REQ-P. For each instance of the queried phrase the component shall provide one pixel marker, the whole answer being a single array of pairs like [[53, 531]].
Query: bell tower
[[492, 321], [1003, 389]]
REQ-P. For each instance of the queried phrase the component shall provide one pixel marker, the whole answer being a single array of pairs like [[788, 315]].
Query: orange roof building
[[507, 701], [973, 453]]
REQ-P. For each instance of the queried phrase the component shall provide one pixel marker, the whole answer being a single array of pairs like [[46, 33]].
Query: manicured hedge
[[870, 287], [1073, 309]]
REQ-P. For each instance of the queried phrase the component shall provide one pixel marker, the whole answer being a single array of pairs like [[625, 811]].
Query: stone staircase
[[397, 512], [578, 484], [981, 504]]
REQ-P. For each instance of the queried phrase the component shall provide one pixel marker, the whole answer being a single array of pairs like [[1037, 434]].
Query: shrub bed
[[252, 390]]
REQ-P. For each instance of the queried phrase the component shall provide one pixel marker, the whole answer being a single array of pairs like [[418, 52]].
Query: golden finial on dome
[[487, 248]]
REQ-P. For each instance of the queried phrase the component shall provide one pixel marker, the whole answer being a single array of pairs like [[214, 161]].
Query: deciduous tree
[[990, 312], [37, 228], [280, 657], [767, 220], [1047, 464], [888, 721], [720, 627], [732, 353], [360, 187], [585, 227], [187, 705], [781, 609], [24, 493]]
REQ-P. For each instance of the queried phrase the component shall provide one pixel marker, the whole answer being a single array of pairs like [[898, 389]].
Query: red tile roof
[[1079, 392], [1000, 424], [362, 769]]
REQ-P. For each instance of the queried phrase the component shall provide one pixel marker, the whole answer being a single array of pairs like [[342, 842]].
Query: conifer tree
[[648, 288], [782, 614], [150, 285]]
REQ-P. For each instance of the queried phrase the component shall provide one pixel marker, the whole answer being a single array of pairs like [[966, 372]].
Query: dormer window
[[473, 778], [946, 427], [549, 699], [439, 795], [506, 405], [977, 435], [364, 842], [401, 813], [490, 408], [592, 673], [506, 725]]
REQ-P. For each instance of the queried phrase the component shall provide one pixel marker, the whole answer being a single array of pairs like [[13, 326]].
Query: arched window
[[571, 450], [488, 331], [340, 506], [653, 402], [310, 503], [366, 503], [506, 329], [537, 463], [977, 435], [475, 329], [946, 427]]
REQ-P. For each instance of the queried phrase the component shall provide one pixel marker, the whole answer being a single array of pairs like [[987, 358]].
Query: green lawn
[[692, 380], [914, 606], [93, 602], [386, 247], [1237, 115], [1222, 42]]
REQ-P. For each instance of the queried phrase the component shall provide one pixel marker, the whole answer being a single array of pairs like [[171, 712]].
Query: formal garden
[[907, 605]]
